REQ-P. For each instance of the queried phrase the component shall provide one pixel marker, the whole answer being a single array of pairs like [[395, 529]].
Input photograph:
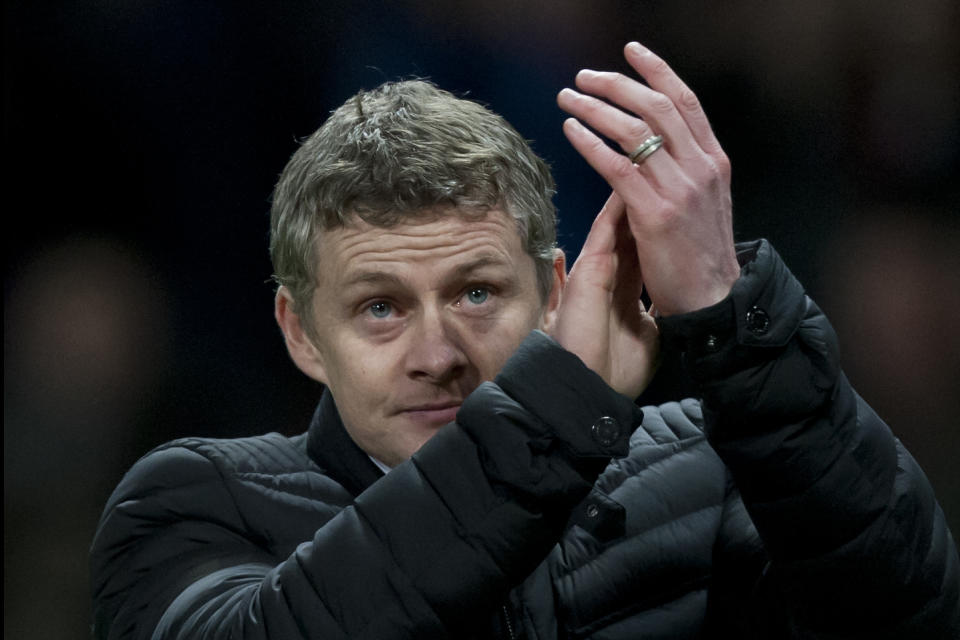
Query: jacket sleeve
[[856, 542], [424, 552]]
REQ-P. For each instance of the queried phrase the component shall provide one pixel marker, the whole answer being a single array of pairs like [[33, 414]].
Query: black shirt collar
[[330, 446]]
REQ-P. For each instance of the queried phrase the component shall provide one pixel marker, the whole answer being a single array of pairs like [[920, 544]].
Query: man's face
[[408, 320]]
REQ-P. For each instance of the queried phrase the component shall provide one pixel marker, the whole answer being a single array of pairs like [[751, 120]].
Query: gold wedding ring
[[646, 149]]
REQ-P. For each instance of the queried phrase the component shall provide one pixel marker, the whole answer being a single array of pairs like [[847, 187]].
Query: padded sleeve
[[857, 543]]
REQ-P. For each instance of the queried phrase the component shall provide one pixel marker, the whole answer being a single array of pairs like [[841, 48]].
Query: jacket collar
[[330, 446]]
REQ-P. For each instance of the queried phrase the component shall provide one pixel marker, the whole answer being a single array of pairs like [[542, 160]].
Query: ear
[[549, 316], [299, 345]]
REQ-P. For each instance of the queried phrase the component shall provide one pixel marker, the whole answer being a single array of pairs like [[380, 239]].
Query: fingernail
[[586, 73], [635, 48]]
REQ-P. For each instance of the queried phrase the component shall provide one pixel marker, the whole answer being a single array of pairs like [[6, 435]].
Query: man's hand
[[601, 318], [678, 199]]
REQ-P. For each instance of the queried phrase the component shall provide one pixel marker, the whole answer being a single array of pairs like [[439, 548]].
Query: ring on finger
[[646, 149]]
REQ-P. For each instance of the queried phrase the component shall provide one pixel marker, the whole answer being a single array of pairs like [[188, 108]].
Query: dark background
[[142, 140]]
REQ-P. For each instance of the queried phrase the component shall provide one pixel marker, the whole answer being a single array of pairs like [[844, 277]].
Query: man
[[476, 467]]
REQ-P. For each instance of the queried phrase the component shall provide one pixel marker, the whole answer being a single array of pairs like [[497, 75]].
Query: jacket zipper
[[506, 618]]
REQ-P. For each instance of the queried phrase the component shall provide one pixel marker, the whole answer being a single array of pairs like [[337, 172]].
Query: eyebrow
[[485, 260], [372, 277], [460, 271]]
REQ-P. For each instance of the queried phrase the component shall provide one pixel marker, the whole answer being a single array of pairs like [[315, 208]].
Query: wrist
[[710, 290]]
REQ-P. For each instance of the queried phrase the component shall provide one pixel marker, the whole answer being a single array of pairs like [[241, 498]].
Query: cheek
[[357, 372], [493, 350], [368, 371]]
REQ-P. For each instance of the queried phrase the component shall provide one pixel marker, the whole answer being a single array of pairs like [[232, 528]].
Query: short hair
[[405, 149]]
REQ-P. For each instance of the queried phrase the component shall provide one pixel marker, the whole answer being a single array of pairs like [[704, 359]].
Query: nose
[[434, 353]]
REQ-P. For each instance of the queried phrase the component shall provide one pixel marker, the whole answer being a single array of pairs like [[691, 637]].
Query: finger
[[663, 79], [627, 130], [619, 172], [656, 108], [602, 237]]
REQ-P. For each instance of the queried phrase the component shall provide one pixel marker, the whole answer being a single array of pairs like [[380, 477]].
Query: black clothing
[[783, 508]]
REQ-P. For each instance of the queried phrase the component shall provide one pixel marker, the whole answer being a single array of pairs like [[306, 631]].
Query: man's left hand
[[678, 199]]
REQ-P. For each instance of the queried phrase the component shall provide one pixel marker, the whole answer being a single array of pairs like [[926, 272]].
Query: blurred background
[[142, 141]]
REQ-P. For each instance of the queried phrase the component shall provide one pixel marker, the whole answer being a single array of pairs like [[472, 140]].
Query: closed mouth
[[435, 412]]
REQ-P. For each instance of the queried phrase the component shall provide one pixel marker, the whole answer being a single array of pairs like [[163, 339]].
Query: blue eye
[[478, 295], [380, 309]]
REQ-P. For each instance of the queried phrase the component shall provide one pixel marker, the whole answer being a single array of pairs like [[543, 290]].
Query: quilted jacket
[[777, 505]]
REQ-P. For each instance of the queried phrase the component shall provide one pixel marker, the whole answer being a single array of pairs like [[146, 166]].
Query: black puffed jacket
[[778, 505]]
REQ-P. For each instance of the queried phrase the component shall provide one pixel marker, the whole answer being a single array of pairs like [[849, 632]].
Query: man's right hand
[[601, 318]]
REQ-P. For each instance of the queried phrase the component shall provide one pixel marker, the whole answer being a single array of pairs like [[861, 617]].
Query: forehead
[[429, 241]]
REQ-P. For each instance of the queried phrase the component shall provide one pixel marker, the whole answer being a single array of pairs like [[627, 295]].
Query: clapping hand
[[677, 198]]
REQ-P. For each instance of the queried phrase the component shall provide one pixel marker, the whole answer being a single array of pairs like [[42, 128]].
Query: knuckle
[[661, 103], [658, 65], [636, 132], [590, 104], [597, 147], [704, 177], [722, 164], [622, 169], [688, 193], [689, 100], [710, 170], [665, 217]]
